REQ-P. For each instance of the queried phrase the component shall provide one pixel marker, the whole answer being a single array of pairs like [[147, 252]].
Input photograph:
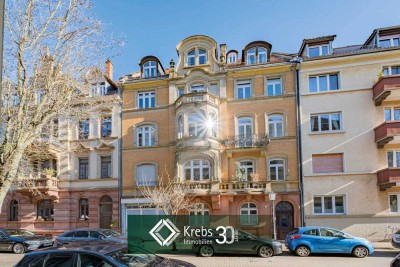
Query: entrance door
[[284, 219], [105, 212]]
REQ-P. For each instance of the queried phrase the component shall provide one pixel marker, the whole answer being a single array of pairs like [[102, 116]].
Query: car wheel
[[18, 248], [302, 251], [265, 252], [206, 251], [360, 252]]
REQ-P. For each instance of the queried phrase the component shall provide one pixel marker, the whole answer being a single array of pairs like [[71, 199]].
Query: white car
[[396, 239]]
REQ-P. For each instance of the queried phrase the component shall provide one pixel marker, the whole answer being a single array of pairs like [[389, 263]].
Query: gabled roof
[[379, 30], [316, 40]]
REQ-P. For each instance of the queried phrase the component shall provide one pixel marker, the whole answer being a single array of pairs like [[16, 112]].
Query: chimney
[[109, 69], [222, 49]]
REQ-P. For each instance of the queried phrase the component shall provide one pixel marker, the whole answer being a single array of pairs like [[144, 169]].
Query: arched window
[[202, 57], [197, 170], [262, 55], [146, 175], [244, 170], [196, 124], [275, 125], [199, 215], [150, 69], [146, 135], [251, 56], [83, 209], [232, 58], [180, 127], [191, 58], [248, 214], [14, 210], [45, 209], [212, 124], [277, 169]]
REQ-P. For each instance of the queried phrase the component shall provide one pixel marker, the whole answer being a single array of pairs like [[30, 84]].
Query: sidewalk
[[384, 245]]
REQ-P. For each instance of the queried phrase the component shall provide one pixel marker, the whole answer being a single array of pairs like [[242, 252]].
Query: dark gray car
[[20, 240], [80, 235]]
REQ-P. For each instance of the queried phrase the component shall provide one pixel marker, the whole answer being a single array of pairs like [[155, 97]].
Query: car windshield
[[18, 232], [110, 233], [137, 257]]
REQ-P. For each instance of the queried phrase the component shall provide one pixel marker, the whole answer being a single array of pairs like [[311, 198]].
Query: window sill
[[196, 66], [327, 132], [328, 214]]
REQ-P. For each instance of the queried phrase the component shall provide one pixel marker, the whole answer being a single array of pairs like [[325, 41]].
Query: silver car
[[396, 239]]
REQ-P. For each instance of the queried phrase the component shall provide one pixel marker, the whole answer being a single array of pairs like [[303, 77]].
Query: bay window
[[196, 170]]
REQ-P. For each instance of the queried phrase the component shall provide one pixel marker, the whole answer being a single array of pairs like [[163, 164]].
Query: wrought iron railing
[[238, 141]]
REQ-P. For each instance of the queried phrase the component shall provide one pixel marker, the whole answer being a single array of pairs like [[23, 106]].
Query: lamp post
[[272, 197]]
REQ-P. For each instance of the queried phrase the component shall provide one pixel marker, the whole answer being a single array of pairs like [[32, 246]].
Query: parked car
[[395, 262], [246, 243], [79, 235], [396, 239], [99, 254], [316, 239], [19, 240]]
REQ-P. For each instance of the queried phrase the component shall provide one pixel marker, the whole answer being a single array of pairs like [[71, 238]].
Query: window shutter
[[326, 163]]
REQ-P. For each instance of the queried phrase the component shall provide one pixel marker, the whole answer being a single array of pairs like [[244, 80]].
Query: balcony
[[200, 97], [388, 177], [247, 141], [384, 87], [40, 185], [245, 187], [386, 132], [200, 188]]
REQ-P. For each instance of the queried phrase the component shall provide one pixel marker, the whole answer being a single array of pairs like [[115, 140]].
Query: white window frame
[[319, 50], [391, 40], [180, 92], [149, 131], [196, 56], [248, 54], [242, 85], [248, 211], [202, 55], [260, 53], [389, 70], [201, 214], [392, 113], [330, 122], [328, 88], [276, 167], [150, 69], [274, 82], [153, 182], [181, 126], [394, 158], [398, 202], [190, 165], [213, 131], [83, 129], [232, 58], [189, 56], [275, 125], [246, 168], [198, 125], [149, 95], [195, 88], [333, 197]]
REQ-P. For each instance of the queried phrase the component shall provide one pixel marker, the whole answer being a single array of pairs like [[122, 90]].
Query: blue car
[[317, 239]]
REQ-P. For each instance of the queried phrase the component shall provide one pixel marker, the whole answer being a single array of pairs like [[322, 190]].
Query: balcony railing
[[386, 132], [245, 141], [48, 183], [384, 87], [197, 97], [245, 186], [388, 177]]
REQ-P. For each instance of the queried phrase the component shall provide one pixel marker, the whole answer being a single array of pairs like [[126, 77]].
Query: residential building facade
[[75, 169], [226, 125], [349, 133]]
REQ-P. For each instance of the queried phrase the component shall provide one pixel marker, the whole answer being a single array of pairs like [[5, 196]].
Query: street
[[381, 257]]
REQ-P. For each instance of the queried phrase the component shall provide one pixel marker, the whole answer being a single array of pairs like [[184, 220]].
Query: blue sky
[[156, 27]]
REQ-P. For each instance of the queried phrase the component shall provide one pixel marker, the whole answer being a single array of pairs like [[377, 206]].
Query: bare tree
[[170, 196], [50, 47]]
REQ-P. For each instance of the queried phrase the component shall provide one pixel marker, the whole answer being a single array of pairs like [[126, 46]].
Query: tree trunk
[[9, 175]]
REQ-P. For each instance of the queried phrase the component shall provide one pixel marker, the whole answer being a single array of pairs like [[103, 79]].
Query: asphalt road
[[381, 258]]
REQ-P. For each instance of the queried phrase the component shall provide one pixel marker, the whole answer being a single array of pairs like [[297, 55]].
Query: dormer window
[[256, 55], [388, 42], [202, 57], [262, 55], [232, 58], [150, 69], [197, 57], [320, 50]]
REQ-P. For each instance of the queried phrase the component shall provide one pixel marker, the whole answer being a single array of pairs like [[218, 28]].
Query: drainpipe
[[297, 61], [120, 157]]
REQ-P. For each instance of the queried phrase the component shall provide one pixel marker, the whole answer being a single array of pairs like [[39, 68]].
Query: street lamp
[[272, 197]]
